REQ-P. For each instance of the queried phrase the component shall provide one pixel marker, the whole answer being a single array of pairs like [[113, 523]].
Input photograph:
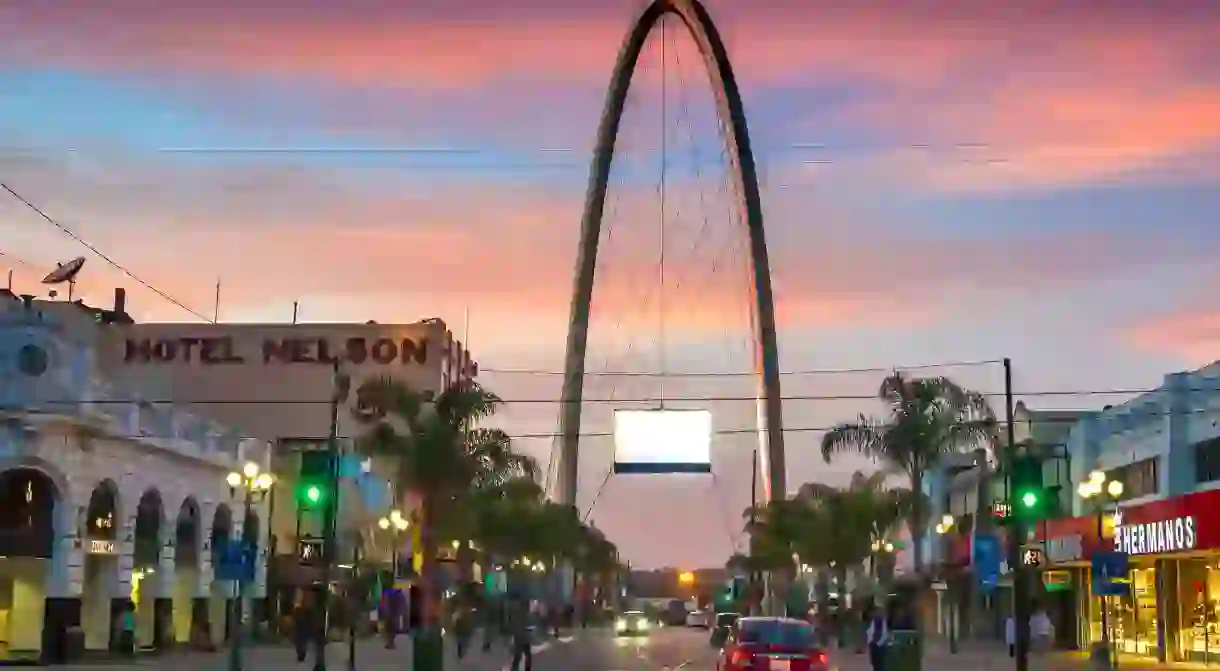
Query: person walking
[[521, 629], [463, 628], [878, 636], [302, 627], [1041, 636]]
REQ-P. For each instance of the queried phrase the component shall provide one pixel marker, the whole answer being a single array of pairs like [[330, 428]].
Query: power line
[[713, 374], [649, 399], [715, 432], [598, 494], [99, 253]]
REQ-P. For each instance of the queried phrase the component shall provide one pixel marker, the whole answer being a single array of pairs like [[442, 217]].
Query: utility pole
[[329, 546], [1020, 574]]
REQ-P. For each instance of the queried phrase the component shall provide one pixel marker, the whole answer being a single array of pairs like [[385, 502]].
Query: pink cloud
[[1192, 334]]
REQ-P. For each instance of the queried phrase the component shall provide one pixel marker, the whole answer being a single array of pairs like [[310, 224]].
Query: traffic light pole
[[328, 530], [1020, 574]]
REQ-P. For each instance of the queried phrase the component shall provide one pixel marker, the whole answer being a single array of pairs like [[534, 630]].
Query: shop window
[[1198, 624], [1139, 478], [1207, 460], [1132, 617]]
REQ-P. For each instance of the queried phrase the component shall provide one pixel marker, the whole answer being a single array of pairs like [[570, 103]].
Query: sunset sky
[[943, 181]]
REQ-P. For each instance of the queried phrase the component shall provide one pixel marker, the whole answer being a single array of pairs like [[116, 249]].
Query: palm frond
[[865, 436]]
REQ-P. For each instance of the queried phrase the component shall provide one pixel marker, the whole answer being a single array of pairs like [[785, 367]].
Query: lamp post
[[254, 486], [395, 523], [1098, 491], [943, 529]]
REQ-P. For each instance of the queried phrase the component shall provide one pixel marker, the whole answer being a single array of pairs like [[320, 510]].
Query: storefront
[[1171, 611]]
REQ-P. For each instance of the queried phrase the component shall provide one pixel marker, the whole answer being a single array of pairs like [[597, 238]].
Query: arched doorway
[[221, 591], [27, 537], [101, 547], [186, 568], [146, 567]]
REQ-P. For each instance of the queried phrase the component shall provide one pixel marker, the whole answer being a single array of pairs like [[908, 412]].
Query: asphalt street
[[666, 649]]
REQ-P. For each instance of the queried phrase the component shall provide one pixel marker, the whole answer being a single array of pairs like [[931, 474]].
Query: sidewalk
[[973, 656]]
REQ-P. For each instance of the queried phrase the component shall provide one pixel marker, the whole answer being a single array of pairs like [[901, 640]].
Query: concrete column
[[1178, 473]]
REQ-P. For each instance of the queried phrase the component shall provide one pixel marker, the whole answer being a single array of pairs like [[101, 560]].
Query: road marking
[[566, 639], [541, 647]]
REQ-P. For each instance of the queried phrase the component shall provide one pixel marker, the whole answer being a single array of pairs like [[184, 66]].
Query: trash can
[[905, 651], [1100, 657]]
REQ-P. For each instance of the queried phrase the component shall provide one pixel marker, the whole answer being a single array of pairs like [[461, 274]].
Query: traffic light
[[1029, 494], [316, 477], [686, 578]]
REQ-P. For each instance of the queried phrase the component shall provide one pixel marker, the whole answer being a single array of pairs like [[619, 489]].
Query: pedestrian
[[878, 636], [1010, 636], [463, 628], [394, 605], [520, 628], [1041, 633], [302, 626], [127, 631]]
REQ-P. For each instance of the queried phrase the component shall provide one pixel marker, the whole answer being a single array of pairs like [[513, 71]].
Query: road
[[667, 649]]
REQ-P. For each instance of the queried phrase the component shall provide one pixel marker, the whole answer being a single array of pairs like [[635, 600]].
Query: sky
[[942, 182]]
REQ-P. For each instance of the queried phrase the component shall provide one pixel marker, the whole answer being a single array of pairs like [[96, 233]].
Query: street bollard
[[905, 651]]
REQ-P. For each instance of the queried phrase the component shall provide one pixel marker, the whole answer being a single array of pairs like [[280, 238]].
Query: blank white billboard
[[662, 441]]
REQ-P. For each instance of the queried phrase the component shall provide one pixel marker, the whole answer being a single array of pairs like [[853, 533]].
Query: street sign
[[1033, 557], [237, 560], [1110, 573], [309, 551], [986, 560]]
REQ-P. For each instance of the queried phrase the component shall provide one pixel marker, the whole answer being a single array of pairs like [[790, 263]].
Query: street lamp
[[395, 523], [943, 529], [254, 486], [1097, 490]]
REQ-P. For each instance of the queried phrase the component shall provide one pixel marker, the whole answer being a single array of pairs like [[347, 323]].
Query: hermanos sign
[[227, 350], [1176, 534]]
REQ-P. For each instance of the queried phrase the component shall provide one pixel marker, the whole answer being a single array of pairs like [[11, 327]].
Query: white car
[[699, 619]]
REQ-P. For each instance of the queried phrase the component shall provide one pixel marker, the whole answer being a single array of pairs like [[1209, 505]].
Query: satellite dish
[[65, 272]]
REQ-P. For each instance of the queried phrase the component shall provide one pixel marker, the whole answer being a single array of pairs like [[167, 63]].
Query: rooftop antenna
[[65, 272]]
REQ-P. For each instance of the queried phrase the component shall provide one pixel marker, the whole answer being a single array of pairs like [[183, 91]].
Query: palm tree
[[441, 454], [851, 518], [926, 419]]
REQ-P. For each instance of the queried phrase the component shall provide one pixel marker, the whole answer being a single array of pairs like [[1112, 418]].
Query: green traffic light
[[314, 494], [1029, 499]]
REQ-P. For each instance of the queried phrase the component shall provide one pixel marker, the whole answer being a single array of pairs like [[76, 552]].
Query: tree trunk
[[918, 522], [428, 650]]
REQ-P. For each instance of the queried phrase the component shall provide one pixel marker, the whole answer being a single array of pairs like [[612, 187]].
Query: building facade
[[107, 502], [1164, 446], [275, 383]]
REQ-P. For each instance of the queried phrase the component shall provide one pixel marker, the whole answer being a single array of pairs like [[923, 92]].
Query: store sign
[[1177, 534], [225, 350], [1033, 557], [102, 547], [1064, 549]]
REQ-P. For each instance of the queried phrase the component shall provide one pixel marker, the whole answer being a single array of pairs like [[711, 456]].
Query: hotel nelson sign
[[228, 350]]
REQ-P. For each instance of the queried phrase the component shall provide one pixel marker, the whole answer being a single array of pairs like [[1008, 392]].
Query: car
[[632, 623], [772, 644], [721, 627], [700, 619]]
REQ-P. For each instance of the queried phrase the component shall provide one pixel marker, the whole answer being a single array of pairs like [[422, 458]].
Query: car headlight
[[644, 624], [620, 624]]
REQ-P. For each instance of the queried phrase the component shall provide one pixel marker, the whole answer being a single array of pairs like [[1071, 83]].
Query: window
[[1139, 478], [776, 633], [1207, 460]]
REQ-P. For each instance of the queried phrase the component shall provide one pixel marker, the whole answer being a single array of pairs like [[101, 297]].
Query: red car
[[772, 644]]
